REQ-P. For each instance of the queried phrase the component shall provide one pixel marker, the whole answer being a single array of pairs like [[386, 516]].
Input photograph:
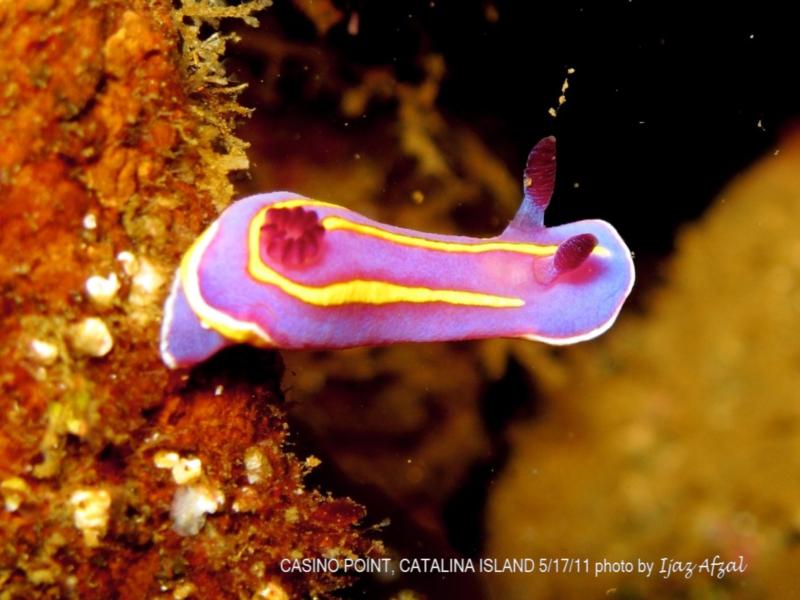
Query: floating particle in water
[[562, 99]]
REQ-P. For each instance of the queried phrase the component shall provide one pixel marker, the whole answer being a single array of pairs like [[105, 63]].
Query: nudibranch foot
[[283, 271]]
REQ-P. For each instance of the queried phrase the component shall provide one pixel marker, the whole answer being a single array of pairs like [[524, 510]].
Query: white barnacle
[[191, 504], [166, 459], [256, 465], [44, 353], [91, 337], [91, 513], [146, 283], [187, 470], [184, 470], [90, 221], [102, 290], [129, 262]]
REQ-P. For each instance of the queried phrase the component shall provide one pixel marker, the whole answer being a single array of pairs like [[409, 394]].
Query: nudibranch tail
[[283, 271], [184, 339]]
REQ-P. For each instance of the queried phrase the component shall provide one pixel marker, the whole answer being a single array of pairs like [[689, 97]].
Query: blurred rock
[[678, 433]]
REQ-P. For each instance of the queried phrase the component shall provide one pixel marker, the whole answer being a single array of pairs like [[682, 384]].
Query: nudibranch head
[[292, 236], [540, 173]]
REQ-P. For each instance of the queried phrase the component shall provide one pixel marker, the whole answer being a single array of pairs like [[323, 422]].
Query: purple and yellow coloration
[[280, 270]]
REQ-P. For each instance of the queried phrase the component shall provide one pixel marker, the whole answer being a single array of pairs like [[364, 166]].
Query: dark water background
[[669, 101]]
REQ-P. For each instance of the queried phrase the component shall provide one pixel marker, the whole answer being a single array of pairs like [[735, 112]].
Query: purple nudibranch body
[[284, 271]]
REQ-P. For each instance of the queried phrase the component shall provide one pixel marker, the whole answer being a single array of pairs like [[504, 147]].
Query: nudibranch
[[282, 271]]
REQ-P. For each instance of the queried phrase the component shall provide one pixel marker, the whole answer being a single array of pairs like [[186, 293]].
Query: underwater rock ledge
[[117, 478]]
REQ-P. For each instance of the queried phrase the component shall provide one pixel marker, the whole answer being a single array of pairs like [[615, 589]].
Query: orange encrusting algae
[[115, 144]]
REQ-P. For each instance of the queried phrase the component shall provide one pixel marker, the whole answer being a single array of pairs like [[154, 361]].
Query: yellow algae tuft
[[207, 78], [14, 490]]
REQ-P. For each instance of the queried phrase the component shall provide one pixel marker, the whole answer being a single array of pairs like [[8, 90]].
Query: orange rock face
[[117, 477]]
